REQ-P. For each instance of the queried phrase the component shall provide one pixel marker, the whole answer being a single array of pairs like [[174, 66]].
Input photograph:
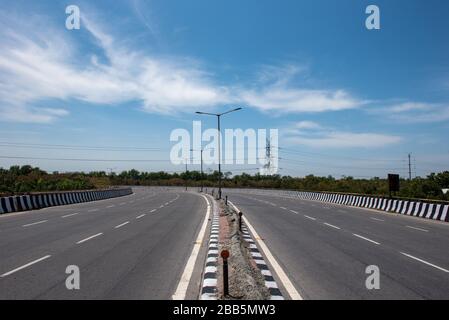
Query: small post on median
[[226, 201], [240, 220], [225, 255]]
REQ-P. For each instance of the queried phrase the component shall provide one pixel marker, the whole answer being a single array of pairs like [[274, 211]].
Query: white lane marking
[[111, 206], [183, 284], [416, 228], [284, 208], [376, 219], [121, 225], [166, 203], [331, 225], [92, 210], [361, 237], [88, 238], [296, 212], [425, 262], [342, 211], [308, 217], [69, 215], [153, 210], [141, 216], [122, 204], [34, 223], [288, 285], [24, 266], [161, 206]]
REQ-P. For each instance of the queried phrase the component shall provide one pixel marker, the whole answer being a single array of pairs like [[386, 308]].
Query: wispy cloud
[[416, 112], [315, 135], [36, 68], [276, 92]]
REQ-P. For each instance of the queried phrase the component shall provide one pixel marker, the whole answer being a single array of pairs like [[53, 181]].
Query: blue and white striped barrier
[[44, 200], [416, 208]]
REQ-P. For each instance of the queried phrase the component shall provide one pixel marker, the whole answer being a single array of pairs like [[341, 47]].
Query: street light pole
[[218, 115], [219, 157]]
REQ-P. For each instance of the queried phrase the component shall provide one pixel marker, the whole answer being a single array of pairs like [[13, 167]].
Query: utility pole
[[409, 167]]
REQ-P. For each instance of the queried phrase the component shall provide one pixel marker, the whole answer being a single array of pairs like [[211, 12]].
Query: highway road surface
[[325, 248], [132, 247]]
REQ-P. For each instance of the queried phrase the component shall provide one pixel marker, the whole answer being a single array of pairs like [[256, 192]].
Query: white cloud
[[35, 67], [282, 99], [314, 135], [417, 112], [347, 140], [307, 125]]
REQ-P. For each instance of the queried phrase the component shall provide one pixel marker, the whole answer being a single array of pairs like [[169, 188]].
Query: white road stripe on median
[[34, 223], [308, 217], [141, 216], [361, 237], [88, 238], [376, 219], [69, 215], [183, 284], [288, 285], [331, 225], [416, 228], [121, 225], [425, 262], [24, 266]]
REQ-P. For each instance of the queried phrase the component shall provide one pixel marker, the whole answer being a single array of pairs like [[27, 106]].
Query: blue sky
[[346, 100]]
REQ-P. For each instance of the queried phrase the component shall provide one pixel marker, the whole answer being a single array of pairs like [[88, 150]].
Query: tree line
[[23, 179]]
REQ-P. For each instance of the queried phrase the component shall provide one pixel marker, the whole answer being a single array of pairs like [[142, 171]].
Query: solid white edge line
[[25, 266], [425, 262], [181, 289], [361, 237], [288, 285], [34, 223], [121, 225], [88, 238]]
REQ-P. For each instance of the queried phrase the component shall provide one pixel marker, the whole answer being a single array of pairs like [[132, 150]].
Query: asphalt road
[[132, 247], [325, 248]]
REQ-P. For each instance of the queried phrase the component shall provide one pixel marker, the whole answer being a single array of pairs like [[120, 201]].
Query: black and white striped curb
[[209, 289], [422, 209], [270, 283], [44, 200]]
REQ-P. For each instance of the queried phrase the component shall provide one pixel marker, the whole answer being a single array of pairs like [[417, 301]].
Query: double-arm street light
[[218, 115]]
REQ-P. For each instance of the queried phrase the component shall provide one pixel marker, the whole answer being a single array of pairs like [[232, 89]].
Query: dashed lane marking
[[425, 262], [121, 225], [70, 215], [416, 228], [34, 223], [308, 217], [331, 225], [141, 216], [25, 266], [364, 238], [91, 237]]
